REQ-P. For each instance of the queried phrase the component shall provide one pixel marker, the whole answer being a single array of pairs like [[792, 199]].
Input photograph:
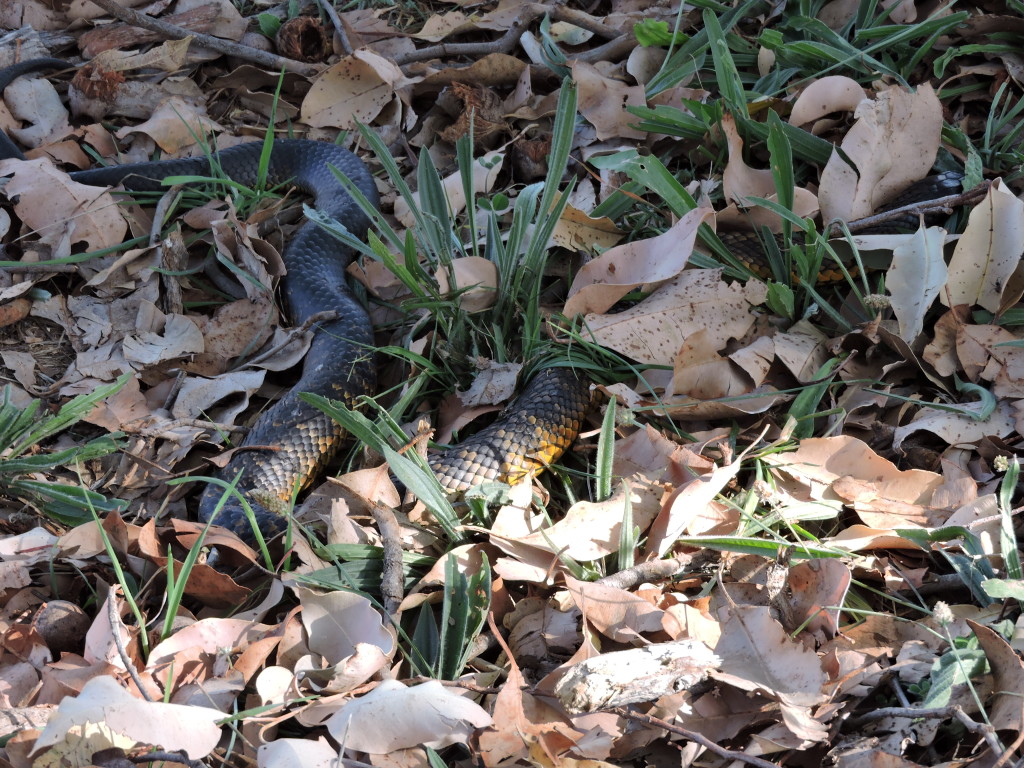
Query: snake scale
[[292, 441]]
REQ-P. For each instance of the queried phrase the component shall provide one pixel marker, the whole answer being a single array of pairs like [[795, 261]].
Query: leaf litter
[[826, 474]]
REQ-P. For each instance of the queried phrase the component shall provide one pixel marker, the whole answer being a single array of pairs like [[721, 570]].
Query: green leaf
[[650, 33], [269, 24]]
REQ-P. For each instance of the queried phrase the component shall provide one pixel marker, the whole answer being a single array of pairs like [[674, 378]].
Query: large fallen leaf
[[606, 279], [959, 428], [107, 712], [758, 655], [354, 91], [988, 252], [393, 716], [591, 530], [846, 468], [916, 277], [697, 299], [46, 199], [892, 144]]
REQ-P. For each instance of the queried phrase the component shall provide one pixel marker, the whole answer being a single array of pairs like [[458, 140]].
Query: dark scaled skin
[[748, 248], [293, 441], [528, 436]]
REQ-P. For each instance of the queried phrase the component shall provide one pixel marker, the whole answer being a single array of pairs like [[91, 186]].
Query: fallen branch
[[946, 204], [173, 32], [693, 736]]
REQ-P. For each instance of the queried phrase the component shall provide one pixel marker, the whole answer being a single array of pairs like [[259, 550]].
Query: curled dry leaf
[[476, 278], [758, 655], [740, 181], [336, 622], [825, 96], [893, 144], [917, 276]]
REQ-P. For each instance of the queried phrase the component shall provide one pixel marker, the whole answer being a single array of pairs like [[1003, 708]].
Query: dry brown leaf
[[959, 428], [1007, 712], [592, 530], [62, 211], [893, 144], [128, 722], [485, 174], [353, 91], [917, 276], [758, 655], [603, 101], [578, 232], [653, 330], [615, 613], [686, 505], [603, 281], [740, 181], [883, 495], [988, 252], [393, 716], [337, 622], [836, 93], [476, 278]]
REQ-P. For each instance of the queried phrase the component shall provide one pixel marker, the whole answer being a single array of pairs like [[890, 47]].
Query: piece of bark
[[639, 674]]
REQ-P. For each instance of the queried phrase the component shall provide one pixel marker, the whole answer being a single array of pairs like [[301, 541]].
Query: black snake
[[535, 430]]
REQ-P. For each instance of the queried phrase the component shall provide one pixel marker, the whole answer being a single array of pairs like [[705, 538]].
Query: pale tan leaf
[[336, 622], [615, 613], [103, 701], [893, 144], [653, 330], [988, 252], [591, 530], [353, 91], [917, 276], [476, 277], [603, 101], [959, 428], [603, 281], [393, 716], [62, 211], [836, 93], [1007, 712]]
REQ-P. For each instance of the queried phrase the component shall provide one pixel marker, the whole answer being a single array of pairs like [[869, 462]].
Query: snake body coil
[[292, 441]]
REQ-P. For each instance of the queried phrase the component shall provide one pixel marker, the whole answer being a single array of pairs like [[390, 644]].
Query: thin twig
[[34, 267], [170, 757], [503, 44], [392, 580], [115, 630], [935, 713], [653, 570], [938, 205], [227, 47], [693, 736], [339, 29]]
